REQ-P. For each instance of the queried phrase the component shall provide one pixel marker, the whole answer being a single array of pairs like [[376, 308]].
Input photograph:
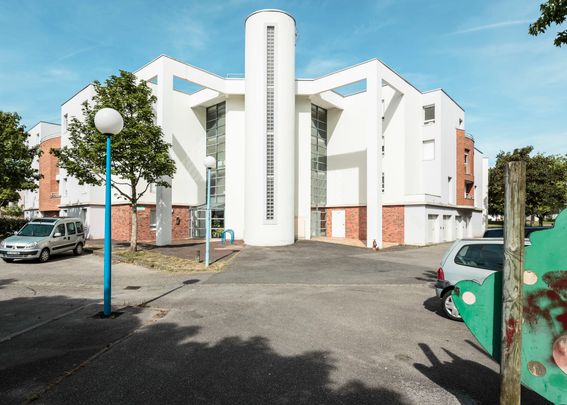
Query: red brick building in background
[[465, 169], [49, 198], [44, 201]]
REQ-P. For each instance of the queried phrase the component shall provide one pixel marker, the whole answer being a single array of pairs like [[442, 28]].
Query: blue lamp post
[[109, 122], [210, 162]]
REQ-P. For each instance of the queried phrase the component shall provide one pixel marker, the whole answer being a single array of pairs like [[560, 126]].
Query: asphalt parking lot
[[310, 323]]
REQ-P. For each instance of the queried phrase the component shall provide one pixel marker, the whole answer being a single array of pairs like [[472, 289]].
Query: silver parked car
[[467, 259], [42, 237]]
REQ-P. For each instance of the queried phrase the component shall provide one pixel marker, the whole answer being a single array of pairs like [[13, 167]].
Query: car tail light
[[440, 274]]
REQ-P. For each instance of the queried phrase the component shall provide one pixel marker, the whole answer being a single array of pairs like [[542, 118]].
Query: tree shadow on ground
[[469, 381], [166, 364], [44, 337], [141, 358]]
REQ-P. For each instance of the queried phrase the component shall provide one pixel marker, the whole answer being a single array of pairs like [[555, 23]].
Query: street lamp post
[[210, 162], [109, 122]]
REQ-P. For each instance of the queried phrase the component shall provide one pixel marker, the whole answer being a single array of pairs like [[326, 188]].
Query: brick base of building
[[393, 224], [122, 222], [355, 223]]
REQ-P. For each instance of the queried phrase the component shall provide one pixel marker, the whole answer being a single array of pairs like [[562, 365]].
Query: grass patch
[[158, 261]]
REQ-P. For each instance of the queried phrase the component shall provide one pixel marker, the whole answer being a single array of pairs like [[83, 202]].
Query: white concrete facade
[[377, 133]]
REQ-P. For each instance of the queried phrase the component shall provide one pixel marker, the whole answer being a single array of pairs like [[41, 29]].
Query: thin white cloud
[[75, 53], [500, 24], [61, 74], [320, 66]]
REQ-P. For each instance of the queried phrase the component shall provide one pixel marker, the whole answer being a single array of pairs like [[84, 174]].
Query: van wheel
[[449, 308], [78, 249], [44, 255], [8, 260]]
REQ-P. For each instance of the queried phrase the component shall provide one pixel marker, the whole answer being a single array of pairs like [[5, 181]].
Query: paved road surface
[[311, 323]]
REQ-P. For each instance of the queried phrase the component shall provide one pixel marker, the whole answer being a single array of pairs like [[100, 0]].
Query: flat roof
[[270, 10]]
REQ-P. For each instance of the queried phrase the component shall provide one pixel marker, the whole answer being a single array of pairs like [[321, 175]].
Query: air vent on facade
[[270, 214]]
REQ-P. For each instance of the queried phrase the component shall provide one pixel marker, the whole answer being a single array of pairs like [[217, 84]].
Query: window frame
[[431, 120], [424, 144], [68, 225], [80, 228], [153, 213]]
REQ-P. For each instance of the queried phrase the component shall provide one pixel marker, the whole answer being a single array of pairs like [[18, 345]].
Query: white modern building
[[300, 157]]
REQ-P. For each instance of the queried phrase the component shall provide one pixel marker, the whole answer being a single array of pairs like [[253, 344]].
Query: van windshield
[[40, 230]]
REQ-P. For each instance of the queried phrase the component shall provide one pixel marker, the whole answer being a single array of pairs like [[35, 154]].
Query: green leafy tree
[[16, 157], [12, 210], [140, 157], [552, 12], [546, 183]]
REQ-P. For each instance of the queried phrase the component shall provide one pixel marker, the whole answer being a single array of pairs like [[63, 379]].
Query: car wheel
[[44, 255], [449, 308], [78, 249], [8, 260]]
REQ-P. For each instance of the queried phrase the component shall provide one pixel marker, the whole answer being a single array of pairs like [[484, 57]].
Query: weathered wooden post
[[512, 311]]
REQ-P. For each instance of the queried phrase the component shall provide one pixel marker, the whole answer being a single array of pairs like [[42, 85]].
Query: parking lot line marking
[[37, 325]]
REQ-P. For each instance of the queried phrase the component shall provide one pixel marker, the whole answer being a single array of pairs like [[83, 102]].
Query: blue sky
[[512, 86]]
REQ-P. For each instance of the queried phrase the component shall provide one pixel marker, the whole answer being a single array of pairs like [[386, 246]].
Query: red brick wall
[[122, 223], [393, 224], [355, 222], [48, 184], [464, 143]]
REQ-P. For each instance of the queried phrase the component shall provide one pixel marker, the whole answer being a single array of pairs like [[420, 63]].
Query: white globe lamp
[[210, 162], [108, 121]]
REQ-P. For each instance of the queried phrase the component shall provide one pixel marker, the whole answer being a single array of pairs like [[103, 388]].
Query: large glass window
[[216, 118], [318, 170]]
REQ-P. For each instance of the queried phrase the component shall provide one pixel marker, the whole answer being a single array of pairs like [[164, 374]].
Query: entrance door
[[432, 229], [338, 223]]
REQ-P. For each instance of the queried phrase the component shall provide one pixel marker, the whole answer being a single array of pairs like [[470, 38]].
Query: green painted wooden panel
[[544, 331]]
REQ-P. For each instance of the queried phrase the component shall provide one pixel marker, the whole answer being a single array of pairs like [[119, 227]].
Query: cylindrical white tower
[[270, 128]]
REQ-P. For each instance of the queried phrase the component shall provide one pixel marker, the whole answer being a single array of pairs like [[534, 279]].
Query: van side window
[[484, 256], [61, 229], [71, 228], [79, 227]]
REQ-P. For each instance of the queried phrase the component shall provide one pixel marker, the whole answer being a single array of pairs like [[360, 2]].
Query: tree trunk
[[134, 230], [540, 219], [532, 219]]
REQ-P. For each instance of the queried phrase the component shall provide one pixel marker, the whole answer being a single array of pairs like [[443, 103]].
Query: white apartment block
[[300, 157]]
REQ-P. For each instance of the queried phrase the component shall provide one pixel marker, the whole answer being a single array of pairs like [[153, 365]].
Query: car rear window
[[494, 233], [484, 256], [79, 227]]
